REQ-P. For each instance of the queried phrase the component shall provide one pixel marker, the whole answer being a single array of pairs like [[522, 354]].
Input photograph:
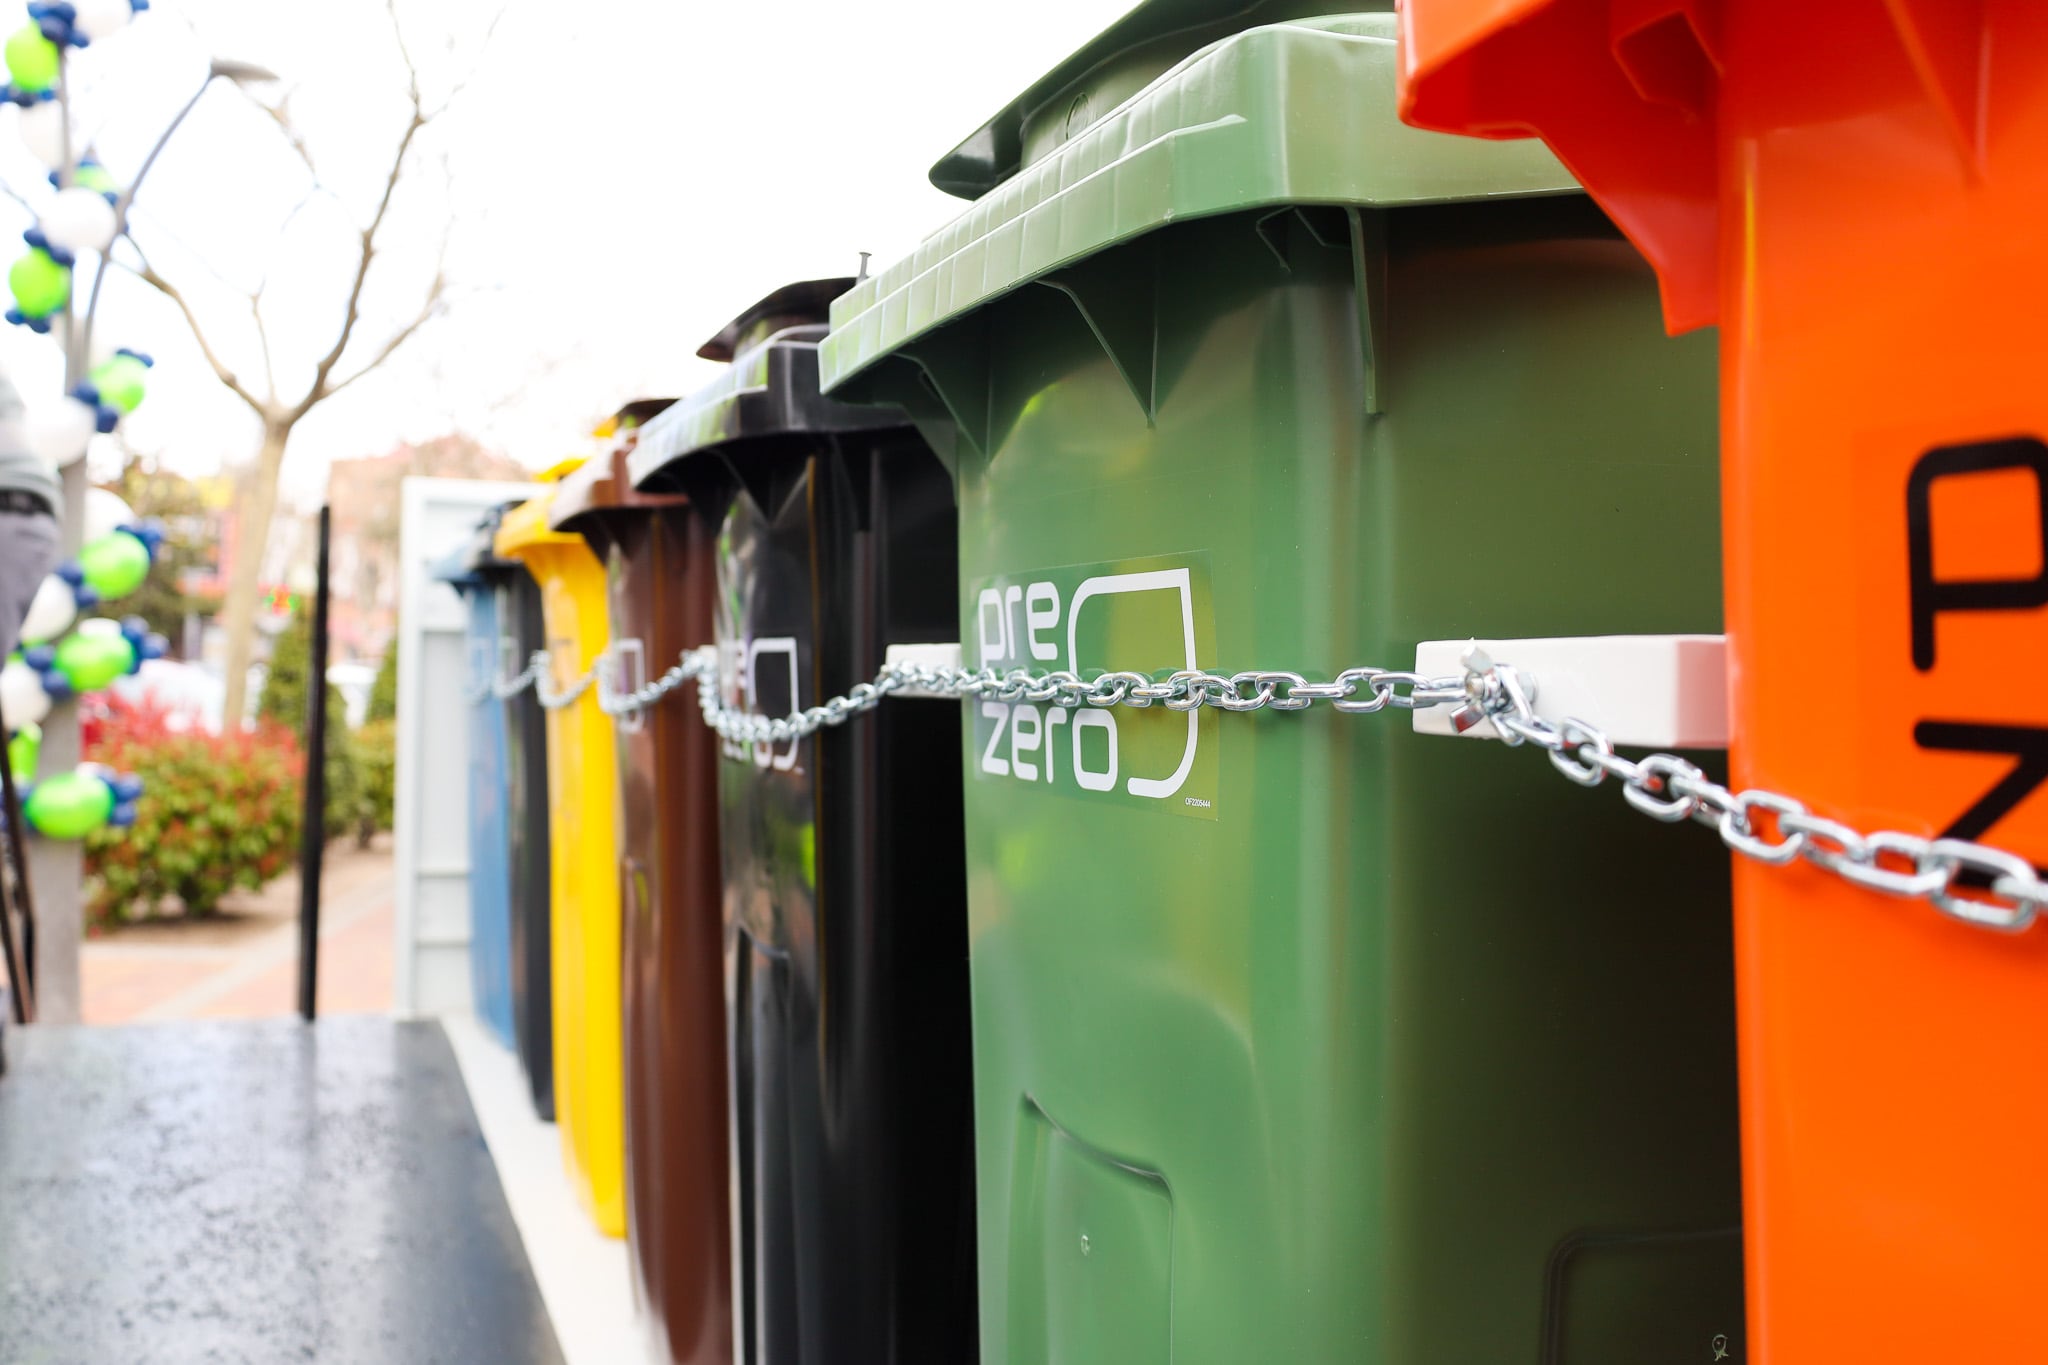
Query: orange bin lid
[[1621, 90]]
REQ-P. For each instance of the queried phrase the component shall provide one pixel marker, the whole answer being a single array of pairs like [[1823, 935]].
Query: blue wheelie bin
[[473, 572]]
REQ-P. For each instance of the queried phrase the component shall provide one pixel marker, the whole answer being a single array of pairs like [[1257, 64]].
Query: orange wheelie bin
[[1851, 190]]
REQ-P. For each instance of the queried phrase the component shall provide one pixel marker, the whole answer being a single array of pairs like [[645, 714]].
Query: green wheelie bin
[[1298, 1035]]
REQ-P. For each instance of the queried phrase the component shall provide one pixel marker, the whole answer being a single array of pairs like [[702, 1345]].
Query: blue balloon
[[123, 816], [128, 787], [42, 658]]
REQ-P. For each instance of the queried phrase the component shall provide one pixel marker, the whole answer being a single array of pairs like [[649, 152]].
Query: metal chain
[[505, 689], [1661, 785], [543, 687], [619, 704], [2006, 892], [1355, 690]]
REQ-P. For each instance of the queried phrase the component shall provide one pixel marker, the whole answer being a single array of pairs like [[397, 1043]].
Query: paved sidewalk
[[243, 963], [255, 1191]]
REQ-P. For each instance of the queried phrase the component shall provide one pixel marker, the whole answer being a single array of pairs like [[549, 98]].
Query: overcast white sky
[[625, 177]]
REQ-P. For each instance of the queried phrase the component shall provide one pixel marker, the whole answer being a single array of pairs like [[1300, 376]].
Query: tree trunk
[[238, 613]]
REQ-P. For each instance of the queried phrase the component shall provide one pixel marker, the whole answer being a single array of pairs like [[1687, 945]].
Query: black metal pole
[[313, 837], [23, 994]]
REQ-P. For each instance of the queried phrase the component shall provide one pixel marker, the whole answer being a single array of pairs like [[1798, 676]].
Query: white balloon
[[22, 696], [99, 19], [42, 131], [99, 625], [79, 219], [51, 613], [105, 513], [60, 432]]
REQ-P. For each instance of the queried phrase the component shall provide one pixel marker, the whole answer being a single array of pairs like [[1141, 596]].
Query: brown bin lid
[[603, 484]]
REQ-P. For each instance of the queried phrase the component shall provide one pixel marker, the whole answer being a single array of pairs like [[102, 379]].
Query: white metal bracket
[[1657, 691], [925, 656]]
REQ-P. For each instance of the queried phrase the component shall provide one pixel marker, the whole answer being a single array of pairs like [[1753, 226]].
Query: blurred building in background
[[364, 497]]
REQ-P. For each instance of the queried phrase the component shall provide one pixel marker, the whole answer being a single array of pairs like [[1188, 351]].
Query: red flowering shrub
[[218, 811]]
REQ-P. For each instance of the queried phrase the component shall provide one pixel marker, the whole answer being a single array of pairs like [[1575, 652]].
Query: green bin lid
[[1119, 62], [1299, 112]]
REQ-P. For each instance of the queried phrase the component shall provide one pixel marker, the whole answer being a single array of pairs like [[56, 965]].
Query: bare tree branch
[[428, 311], [353, 312], [412, 72], [483, 49], [323, 371], [281, 115], [147, 274], [159, 231], [263, 342]]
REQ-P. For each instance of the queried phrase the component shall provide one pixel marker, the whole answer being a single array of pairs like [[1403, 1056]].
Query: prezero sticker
[[1147, 615], [760, 676]]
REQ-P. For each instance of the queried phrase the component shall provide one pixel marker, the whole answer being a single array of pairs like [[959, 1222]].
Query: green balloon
[[94, 177], [91, 662], [31, 60], [121, 382], [69, 806], [40, 286], [115, 565], [24, 751]]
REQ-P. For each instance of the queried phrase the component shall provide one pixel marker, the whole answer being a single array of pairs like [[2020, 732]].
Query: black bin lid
[[769, 392]]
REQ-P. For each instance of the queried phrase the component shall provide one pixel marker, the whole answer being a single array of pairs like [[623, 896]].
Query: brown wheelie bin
[[658, 567]]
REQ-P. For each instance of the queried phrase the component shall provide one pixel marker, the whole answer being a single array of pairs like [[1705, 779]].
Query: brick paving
[[243, 963]]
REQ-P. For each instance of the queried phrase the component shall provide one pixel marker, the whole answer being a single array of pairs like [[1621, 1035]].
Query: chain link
[[505, 689], [693, 663], [543, 687], [1967, 881]]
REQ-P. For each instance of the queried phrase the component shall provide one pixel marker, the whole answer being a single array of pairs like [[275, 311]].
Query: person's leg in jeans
[[28, 552], [30, 496]]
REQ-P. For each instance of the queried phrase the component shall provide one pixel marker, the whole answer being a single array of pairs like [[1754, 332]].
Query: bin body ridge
[[1854, 192]]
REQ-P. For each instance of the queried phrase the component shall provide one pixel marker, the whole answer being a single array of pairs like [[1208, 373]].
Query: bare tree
[[279, 413]]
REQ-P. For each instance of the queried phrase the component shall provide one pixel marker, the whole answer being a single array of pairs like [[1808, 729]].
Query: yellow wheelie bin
[[584, 855]]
